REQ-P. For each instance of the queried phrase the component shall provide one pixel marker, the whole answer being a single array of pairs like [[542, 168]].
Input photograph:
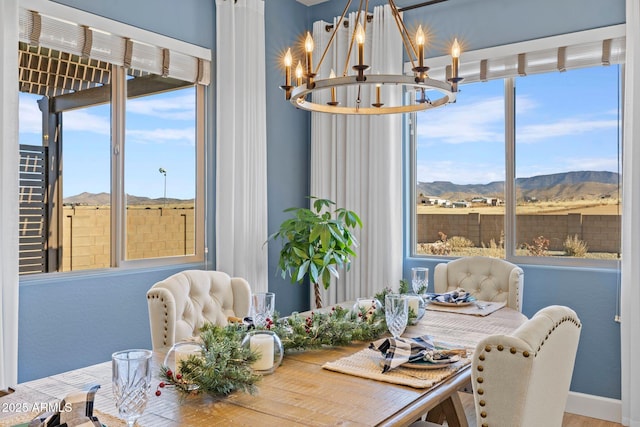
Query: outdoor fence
[[600, 232]]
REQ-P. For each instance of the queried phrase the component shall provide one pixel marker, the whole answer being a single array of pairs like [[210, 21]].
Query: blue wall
[[72, 321]]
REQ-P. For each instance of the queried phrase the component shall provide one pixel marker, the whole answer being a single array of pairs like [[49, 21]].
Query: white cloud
[[458, 172], [30, 116], [473, 121], [83, 121], [175, 108], [564, 127], [161, 136]]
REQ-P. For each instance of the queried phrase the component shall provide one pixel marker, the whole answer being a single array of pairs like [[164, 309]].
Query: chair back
[[182, 303], [523, 379], [486, 278]]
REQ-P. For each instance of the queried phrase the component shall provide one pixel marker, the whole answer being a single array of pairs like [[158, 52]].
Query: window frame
[[510, 154], [118, 100]]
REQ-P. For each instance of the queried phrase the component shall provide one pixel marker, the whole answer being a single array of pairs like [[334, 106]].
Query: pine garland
[[337, 327], [226, 366]]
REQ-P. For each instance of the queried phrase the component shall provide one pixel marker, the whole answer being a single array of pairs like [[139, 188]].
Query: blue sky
[[160, 134], [564, 122]]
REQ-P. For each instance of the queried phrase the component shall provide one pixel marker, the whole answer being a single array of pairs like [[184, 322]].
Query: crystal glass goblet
[[131, 380], [396, 311], [262, 307], [419, 280]]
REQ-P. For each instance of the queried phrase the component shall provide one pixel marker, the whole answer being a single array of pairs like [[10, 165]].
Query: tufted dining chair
[[523, 379], [486, 278], [180, 304]]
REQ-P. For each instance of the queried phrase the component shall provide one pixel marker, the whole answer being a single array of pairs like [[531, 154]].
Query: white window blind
[[96, 43], [601, 46]]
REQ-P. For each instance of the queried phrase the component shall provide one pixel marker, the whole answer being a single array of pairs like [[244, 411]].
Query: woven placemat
[[367, 364], [472, 309], [105, 419]]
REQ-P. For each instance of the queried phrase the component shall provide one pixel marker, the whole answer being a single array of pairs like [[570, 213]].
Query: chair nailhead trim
[[514, 350]]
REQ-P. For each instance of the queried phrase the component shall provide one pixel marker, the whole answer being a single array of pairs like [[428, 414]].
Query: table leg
[[451, 410]]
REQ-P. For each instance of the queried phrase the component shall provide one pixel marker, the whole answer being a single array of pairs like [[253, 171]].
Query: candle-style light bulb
[[420, 41], [287, 67], [308, 47], [360, 38], [455, 54], [378, 93], [299, 74]]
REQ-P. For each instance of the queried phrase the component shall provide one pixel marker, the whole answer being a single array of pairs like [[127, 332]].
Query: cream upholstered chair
[[488, 279], [182, 303], [523, 379]]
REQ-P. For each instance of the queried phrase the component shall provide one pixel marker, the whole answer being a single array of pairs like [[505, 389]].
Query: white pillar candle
[[414, 303], [262, 344], [183, 353]]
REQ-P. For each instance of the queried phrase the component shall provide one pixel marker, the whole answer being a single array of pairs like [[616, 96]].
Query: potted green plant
[[316, 243]]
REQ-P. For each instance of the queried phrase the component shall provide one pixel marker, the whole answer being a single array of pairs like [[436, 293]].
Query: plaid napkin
[[75, 410], [457, 296], [397, 351]]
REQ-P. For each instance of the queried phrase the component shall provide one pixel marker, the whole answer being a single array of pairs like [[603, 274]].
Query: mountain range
[[104, 199], [559, 186]]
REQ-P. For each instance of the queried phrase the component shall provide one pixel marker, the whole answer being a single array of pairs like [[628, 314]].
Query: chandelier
[[299, 89]]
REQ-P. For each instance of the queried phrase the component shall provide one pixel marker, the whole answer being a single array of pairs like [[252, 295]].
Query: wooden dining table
[[299, 393]]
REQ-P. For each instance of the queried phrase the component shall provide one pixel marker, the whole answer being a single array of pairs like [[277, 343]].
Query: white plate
[[452, 304]]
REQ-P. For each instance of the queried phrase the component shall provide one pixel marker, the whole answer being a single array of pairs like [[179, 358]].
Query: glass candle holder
[[269, 348], [366, 306], [417, 306], [179, 352]]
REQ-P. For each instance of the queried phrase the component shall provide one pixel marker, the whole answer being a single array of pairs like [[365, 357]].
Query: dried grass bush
[[575, 247]]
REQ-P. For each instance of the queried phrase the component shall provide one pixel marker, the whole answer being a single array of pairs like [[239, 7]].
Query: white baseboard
[[592, 406]]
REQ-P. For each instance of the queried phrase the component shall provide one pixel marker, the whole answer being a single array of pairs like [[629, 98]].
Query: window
[[568, 164], [460, 175], [112, 164], [524, 165]]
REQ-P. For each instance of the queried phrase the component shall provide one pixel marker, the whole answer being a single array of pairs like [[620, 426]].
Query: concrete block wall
[[600, 232], [152, 232]]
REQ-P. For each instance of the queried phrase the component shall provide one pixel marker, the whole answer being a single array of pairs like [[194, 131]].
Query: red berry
[[158, 392], [169, 373], [179, 376], [161, 385]]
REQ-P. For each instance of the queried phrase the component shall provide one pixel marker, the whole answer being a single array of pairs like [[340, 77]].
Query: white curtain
[[9, 155], [356, 161], [630, 293], [241, 153]]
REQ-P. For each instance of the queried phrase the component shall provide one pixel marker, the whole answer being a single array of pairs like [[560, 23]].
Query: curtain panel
[[630, 282], [356, 161], [241, 150], [9, 185]]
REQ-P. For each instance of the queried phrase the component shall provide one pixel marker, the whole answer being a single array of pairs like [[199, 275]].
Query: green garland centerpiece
[[225, 365]]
